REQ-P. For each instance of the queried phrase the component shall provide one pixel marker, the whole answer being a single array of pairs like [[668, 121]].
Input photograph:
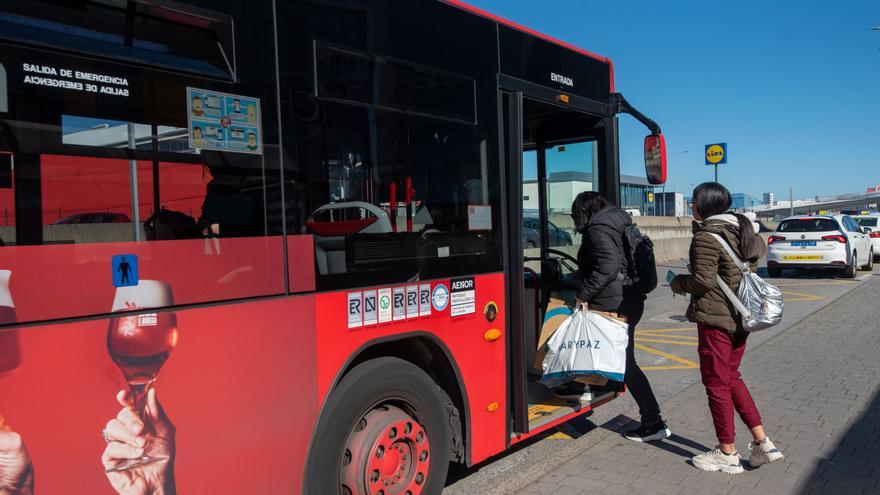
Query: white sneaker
[[715, 460], [574, 392], [764, 453]]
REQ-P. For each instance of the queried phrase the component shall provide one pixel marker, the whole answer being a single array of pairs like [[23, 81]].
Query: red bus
[[299, 246]]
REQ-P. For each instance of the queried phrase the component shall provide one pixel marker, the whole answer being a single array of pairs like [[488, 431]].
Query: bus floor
[[546, 408]]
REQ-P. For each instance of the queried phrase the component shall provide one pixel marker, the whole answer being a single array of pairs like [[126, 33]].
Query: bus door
[[553, 153]]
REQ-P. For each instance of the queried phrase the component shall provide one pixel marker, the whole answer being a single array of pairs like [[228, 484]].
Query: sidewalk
[[817, 386]]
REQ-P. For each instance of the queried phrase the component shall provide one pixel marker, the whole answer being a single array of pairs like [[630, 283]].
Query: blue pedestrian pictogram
[[125, 270]]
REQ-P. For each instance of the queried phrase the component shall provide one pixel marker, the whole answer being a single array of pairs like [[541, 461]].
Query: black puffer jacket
[[602, 261]]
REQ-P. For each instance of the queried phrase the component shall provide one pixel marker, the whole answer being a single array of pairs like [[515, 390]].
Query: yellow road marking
[[807, 284], [801, 297], [681, 329], [667, 368], [667, 335], [662, 341], [684, 362]]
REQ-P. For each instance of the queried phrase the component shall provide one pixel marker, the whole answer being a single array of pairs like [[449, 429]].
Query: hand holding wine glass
[[140, 344], [16, 470], [128, 439]]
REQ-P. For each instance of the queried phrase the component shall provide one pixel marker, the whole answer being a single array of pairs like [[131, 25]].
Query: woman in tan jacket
[[722, 340]]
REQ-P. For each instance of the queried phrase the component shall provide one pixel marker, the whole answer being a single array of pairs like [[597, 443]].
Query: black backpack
[[641, 267]]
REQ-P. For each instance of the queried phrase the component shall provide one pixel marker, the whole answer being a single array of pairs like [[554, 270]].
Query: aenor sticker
[[463, 298]]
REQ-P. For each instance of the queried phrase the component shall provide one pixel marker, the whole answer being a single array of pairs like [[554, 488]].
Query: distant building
[[670, 204], [769, 199], [742, 201], [563, 187]]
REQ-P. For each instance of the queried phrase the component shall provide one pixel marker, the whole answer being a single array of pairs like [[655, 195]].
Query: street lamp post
[[674, 159]]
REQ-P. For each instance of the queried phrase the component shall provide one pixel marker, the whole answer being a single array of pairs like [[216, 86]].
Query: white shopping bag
[[586, 344]]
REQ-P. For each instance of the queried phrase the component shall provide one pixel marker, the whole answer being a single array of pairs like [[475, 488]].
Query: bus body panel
[[239, 387], [481, 363], [259, 351]]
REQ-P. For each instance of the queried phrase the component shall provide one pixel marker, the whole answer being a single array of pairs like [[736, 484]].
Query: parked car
[[532, 234], [822, 241], [872, 223], [94, 218]]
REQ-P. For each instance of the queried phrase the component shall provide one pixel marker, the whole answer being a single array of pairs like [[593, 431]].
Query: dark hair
[[710, 199], [585, 205]]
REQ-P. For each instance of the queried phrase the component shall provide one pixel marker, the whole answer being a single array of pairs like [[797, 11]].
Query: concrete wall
[[671, 235], [79, 233]]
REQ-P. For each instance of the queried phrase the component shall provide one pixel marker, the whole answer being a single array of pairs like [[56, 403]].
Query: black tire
[[376, 385], [774, 272], [870, 266], [852, 270]]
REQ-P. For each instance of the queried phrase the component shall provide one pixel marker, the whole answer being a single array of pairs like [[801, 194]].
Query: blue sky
[[793, 87]]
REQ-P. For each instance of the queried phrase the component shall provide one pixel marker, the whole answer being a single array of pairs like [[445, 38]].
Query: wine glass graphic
[[10, 355], [140, 343]]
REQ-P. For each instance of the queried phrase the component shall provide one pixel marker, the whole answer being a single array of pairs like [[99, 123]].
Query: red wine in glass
[[140, 344]]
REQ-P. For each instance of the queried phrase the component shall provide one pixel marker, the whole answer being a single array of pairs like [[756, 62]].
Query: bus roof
[[519, 27]]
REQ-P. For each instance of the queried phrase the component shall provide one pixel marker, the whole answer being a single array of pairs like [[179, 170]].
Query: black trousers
[[636, 382]]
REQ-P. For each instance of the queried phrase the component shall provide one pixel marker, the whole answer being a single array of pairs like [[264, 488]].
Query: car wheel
[[384, 429], [853, 269], [774, 272], [870, 266]]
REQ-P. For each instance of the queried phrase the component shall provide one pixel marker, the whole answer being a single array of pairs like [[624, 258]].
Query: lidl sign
[[716, 154]]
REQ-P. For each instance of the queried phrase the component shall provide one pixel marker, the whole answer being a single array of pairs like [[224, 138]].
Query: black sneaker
[[653, 433]]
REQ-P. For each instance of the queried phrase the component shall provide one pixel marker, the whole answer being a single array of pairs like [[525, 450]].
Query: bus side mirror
[[655, 159]]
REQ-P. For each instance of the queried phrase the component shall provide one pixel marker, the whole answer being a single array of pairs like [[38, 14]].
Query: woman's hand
[[677, 285], [16, 470], [130, 437]]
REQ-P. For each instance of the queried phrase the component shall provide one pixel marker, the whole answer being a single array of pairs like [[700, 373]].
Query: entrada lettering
[[567, 81]]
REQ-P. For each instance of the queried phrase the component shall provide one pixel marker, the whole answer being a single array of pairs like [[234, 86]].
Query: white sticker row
[[374, 307]]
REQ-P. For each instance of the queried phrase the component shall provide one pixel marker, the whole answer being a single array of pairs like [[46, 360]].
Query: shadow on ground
[[852, 465]]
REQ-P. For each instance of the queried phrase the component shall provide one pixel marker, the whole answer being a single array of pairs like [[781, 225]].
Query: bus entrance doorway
[[554, 153]]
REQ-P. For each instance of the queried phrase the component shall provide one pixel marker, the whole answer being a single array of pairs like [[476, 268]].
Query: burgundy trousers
[[720, 356]]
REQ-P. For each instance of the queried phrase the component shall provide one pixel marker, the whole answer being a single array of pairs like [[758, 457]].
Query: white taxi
[[872, 223], [822, 241]]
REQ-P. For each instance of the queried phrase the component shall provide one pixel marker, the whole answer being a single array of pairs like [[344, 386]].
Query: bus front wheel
[[384, 431]]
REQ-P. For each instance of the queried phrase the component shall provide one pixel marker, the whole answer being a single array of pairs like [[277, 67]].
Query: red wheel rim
[[387, 453]]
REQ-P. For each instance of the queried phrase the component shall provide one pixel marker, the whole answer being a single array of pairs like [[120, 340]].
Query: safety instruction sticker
[[225, 122], [463, 297], [124, 268]]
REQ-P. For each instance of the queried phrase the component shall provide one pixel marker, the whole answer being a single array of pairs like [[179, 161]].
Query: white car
[[822, 241], [872, 223]]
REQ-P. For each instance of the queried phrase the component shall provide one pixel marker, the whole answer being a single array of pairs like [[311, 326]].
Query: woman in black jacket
[[602, 265]]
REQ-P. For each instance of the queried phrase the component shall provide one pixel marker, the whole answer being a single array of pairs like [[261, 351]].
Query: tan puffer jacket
[[708, 258]]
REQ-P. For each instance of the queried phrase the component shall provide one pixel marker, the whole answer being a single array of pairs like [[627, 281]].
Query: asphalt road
[[667, 351]]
